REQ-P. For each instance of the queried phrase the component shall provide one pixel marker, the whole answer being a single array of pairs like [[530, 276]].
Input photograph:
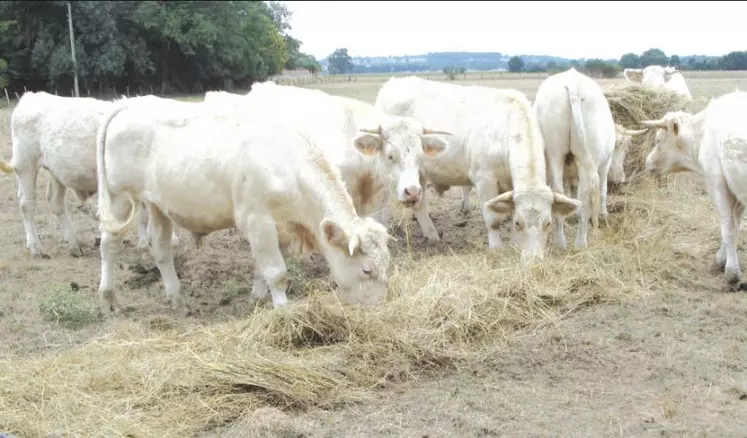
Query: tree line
[[654, 56], [163, 46]]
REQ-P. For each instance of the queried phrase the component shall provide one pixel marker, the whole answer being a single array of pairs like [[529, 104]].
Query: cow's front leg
[[465, 199], [486, 186], [423, 216], [261, 232]]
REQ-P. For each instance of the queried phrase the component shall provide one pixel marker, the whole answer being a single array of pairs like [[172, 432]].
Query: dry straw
[[633, 103]]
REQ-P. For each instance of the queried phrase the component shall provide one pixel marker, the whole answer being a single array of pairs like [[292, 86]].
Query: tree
[[653, 57], [515, 64], [735, 61], [630, 60], [3, 68], [340, 62], [675, 61]]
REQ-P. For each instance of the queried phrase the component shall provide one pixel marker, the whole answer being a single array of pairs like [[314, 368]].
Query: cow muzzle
[[411, 195]]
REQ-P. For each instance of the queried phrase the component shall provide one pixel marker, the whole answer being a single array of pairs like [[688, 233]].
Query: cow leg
[[465, 199], [729, 209], [423, 216], [163, 253], [261, 232], [26, 177], [107, 296], [556, 167], [259, 285], [143, 228], [487, 189], [57, 195], [584, 196], [603, 178]]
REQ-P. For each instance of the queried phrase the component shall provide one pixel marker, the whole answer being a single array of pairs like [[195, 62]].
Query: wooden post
[[72, 49]]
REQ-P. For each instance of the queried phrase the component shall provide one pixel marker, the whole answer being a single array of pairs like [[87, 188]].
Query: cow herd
[[297, 170]]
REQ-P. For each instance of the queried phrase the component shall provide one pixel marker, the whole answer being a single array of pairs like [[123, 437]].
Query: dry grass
[[170, 378], [167, 376], [633, 103]]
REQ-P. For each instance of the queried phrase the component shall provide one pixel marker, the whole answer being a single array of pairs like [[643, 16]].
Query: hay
[[633, 103], [445, 311]]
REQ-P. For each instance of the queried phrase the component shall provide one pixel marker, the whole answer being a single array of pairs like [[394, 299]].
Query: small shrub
[[69, 308]]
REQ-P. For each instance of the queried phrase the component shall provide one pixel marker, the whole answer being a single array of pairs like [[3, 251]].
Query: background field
[[635, 336]]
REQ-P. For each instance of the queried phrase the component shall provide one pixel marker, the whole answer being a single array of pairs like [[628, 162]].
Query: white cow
[[58, 134], [496, 146], [372, 149], [711, 143], [265, 173], [623, 140], [576, 122], [657, 76]]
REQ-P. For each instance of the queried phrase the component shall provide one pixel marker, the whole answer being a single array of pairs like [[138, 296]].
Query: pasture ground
[[634, 336]]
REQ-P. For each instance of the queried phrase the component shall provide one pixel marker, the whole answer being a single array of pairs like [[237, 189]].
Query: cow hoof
[[717, 267], [732, 281]]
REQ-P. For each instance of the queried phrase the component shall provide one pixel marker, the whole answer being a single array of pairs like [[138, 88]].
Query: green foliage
[[600, 68], [172, 46], [340, 62], [69, 308], [515, 64], [3, 72], [452, 71]]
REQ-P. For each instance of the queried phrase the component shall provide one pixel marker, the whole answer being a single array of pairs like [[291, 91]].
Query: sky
[[600, 29]]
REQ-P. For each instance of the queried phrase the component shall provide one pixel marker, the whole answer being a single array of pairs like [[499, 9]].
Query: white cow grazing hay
[[579, 132], [496, 146], [371, 149], [711, 143], [263, 173], [58, 134], [656, 76]]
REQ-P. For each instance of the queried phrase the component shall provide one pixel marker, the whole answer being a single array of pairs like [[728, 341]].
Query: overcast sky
[[601, 29]]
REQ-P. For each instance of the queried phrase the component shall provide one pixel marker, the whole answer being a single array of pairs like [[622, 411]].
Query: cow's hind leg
[[603, 178], [730, 212], [57, 198], [26, 177], [163, 253], [261, 232], [109, 244]]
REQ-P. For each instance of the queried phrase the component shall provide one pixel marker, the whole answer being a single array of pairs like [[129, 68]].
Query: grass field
[[633, 336]]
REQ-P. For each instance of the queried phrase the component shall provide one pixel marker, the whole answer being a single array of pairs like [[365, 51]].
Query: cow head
[[532, 212], [402, 143], [358, 258], [672, 144]]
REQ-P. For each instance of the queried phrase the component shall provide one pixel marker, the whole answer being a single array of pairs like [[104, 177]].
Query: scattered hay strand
[[633, 103], [184, 378]]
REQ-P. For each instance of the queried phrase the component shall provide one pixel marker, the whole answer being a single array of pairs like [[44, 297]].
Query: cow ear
[[563, 206], [503, 204], [368, 144], [434, 145], [334, 234]]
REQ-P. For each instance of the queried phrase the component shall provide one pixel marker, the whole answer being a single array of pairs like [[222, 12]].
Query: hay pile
[[174, 378], [633, 103]]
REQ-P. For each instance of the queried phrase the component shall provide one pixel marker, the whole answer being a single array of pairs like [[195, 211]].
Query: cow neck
[[326, 197], [694, 143]]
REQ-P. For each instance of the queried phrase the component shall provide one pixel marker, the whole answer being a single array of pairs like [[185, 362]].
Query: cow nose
[[412, 192]]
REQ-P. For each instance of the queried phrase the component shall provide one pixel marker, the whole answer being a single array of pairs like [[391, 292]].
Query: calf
[[711, 143], [58, 134], [496, 146], [266, 176]]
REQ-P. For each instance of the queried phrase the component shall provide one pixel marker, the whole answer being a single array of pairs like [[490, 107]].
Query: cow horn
[[633, 132], [427, 131], [371, 131], [653, 123]]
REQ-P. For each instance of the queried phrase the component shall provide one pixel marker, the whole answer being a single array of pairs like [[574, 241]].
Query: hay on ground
[[445, 311], [633, 103]]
